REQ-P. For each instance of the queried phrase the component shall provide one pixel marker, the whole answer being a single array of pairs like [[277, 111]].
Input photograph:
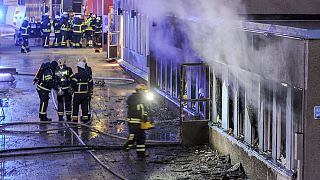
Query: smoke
[[211, 28]]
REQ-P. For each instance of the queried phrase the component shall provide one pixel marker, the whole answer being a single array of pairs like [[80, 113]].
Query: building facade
[[261, 105]]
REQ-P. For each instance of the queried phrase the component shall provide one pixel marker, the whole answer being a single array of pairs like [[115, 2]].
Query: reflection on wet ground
[[109, 105]]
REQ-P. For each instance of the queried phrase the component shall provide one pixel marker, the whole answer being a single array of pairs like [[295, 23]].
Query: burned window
[[219, 98], [241, 101]]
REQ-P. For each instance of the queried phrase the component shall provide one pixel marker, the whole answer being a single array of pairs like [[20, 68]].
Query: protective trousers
[[89, 36], [25, 45], [57, 39], [97, 40], [69, 38], [89, 106], [136, 135], [80, 99], [64, 35], [46, 40], [44, 98], [64, 102], [76, 40]]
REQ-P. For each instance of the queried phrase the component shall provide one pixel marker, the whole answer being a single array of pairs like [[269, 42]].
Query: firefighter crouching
[[137, 117], [63, 75], [44, 80], [82, 84], [25, 32]]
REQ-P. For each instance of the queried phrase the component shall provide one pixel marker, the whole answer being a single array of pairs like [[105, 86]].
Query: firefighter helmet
[[141, 87], [83, 59], [61, 62], [81, 65]]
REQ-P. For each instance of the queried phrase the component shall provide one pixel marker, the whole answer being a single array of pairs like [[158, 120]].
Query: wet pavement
[[21, 104]]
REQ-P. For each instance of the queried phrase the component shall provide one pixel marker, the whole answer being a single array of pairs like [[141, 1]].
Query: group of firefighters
[[60, 77], [74, 90], [69, 30]]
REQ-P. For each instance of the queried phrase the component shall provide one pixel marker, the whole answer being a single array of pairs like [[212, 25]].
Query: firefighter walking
[[63, 75], [137, 114], [25, 32], [81, 83]]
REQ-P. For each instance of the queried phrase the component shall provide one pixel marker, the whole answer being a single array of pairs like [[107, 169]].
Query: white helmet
[[81, 65], [26, 18], [61, 62], [83, 59], [57, 17], [46, 14]]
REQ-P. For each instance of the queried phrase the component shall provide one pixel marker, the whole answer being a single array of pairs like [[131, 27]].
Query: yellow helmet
[[142, 87]]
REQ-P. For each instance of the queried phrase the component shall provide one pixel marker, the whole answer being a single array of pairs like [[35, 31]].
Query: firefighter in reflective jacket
[[46, 30], [98, 33], [89, 31], [137, 113], [89, 70], [25, 33], [77, 31], [81, 83], [57, 31], [64, 24], [63, 75], [44, 80]]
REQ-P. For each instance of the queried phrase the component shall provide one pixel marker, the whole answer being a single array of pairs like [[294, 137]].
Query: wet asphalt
[[109, 107]]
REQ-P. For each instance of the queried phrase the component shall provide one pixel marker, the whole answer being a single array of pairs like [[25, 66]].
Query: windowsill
[[251, 152], [128, 67]]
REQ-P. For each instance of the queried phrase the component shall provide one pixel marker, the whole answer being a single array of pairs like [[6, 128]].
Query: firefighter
[[89, 31], [137, 114], [44, 80], [93, 16], [25, 33], [64, 24], [98, 33], [70, 29], [63, 75], [81, 83], [89, 70], [77, 31], [57, 31], [46, 30]]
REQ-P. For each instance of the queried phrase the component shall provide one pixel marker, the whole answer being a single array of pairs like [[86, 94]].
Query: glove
[[60, 92], [35, 81]]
